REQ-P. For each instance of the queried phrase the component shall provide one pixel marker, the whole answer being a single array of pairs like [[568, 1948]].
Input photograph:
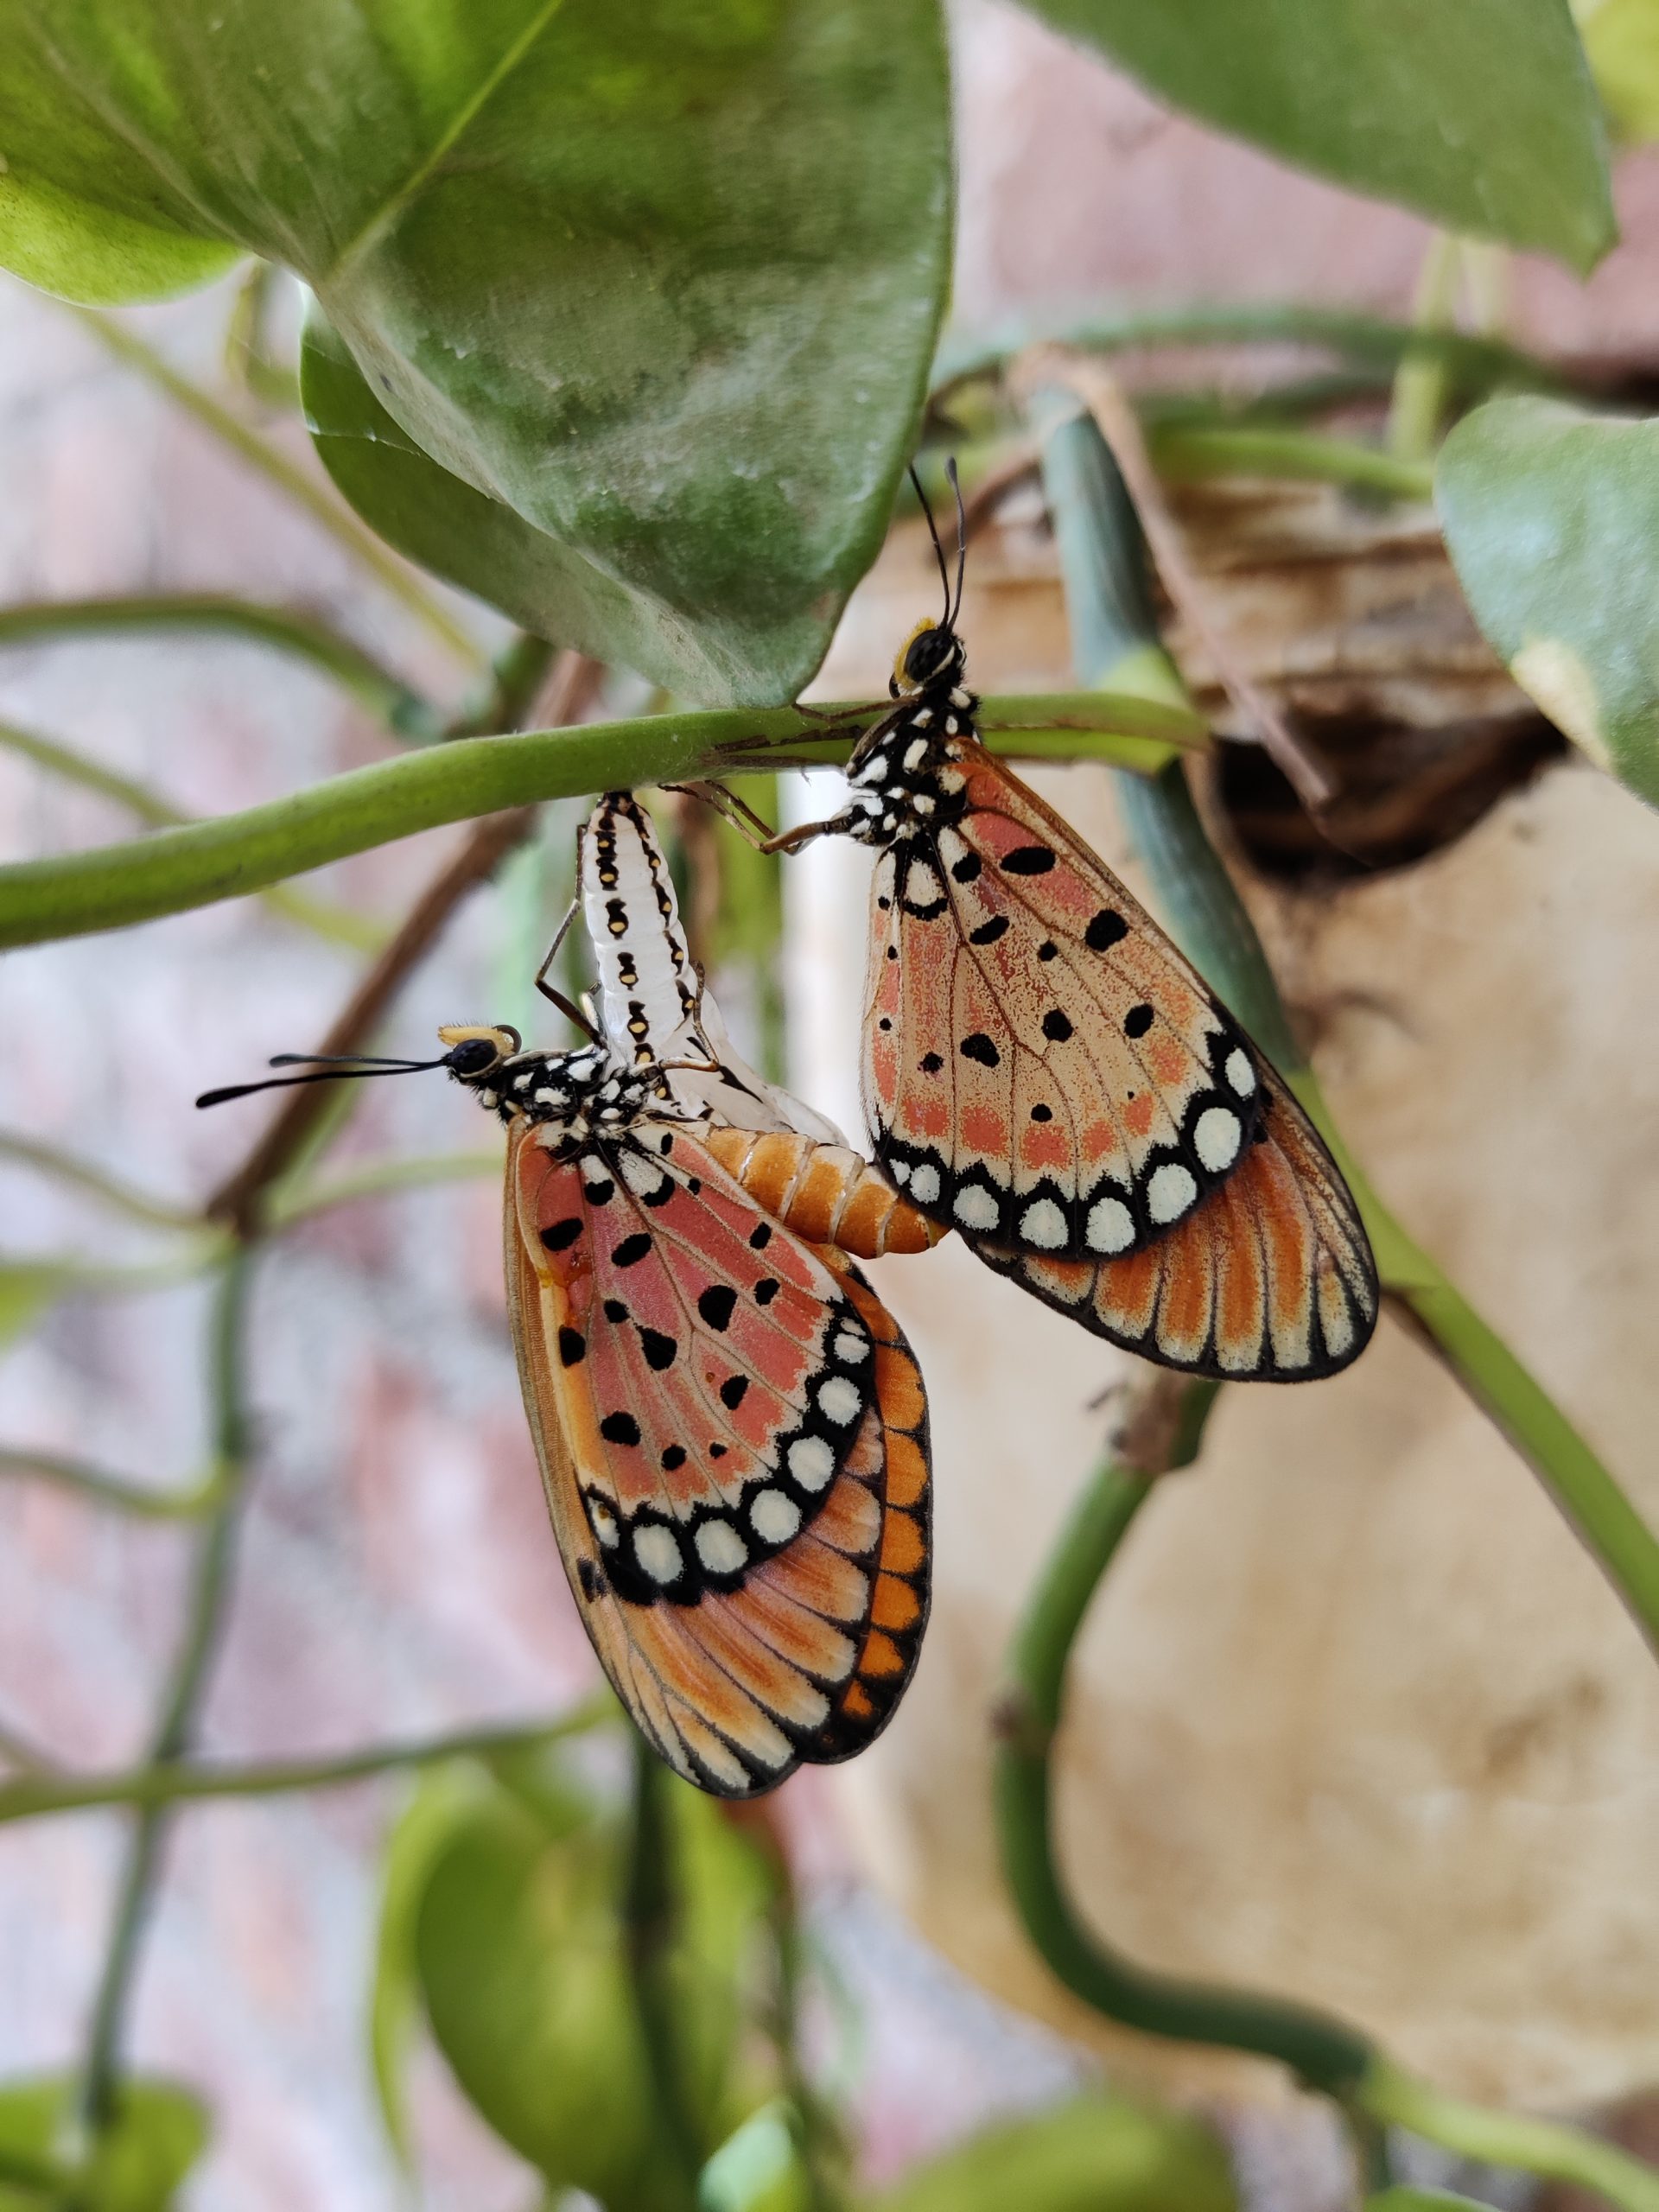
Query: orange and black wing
[[1271, 1280]]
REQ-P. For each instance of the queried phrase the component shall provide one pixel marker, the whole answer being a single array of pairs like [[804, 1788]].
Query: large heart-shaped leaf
[[524, 1976], [662, 281], [1552, 520], [1479, 113]]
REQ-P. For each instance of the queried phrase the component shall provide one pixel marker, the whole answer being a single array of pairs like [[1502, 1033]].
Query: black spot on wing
[[1105, 929], [1138, 1020], [562, 1234], [717, 1304], [988, 932], [619, 1428], [979, 1047], [1028, 860], [1056, 1027], [734, 1390], [631, 1249], [573, 1347], [659, 1350]]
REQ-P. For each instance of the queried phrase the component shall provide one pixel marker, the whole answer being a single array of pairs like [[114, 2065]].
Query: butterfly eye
[[929, 651], [475, 1055]]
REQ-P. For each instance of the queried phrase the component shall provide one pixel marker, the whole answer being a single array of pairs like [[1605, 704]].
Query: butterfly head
[[932, 659], [582, 1096]]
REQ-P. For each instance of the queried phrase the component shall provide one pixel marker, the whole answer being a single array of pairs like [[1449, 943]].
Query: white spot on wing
[[811, 1462], [1171, 1191], [657, 1551], [1239, 1072], [719, 1548], [1110, 1226], [1042, 1225], [1217, 1138], [923, 1183], [838, 1400], [773, 1517], [851, 1347], [975, 1208]]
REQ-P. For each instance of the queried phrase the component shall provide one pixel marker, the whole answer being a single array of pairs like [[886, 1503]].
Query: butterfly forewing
[[1042, 1068], [709, 1414]]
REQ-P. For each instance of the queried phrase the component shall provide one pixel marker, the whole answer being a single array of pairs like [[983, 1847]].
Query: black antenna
[[339, 1068], [938, 549], [951, 613]]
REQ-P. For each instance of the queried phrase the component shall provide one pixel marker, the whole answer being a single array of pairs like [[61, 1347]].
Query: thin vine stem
[[120, 1492], [1327, 2055], [187, 1682], [1323, 2052], [288, 478], [284, 630], [158, 1784], [650, 1909]]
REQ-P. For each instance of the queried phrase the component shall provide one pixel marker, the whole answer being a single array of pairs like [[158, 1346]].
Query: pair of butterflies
[[732, 1430]]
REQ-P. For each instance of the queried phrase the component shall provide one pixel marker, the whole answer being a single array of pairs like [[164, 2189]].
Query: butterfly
[[1045, 1073], [732, 1431]]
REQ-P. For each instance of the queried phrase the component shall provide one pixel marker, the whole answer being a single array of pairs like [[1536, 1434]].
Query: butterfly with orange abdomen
[[732, 1431], [1045, 1073]]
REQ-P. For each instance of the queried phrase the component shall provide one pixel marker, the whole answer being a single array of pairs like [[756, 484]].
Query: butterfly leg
[[571, 1011]]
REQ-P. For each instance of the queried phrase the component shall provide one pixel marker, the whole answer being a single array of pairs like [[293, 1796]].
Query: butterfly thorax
[[908, 776], [584, 1097]]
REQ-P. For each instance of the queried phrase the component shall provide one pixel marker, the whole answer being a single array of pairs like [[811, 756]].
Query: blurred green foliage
[[136, 2164]]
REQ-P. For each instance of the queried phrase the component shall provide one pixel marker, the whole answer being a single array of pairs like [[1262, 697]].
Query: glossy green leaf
[[158, 2132], [1552, 520], [662, 281], [416, 1836], [528, 1993], [1094, 2155], [1622, 40], [1480, 114]]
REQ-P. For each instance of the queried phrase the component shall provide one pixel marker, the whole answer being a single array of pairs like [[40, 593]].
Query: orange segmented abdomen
[[824, 1192]]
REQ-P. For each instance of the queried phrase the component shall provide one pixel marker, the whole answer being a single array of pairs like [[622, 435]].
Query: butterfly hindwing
[[1270, 1279], [730, 1595], [1042, 1067]]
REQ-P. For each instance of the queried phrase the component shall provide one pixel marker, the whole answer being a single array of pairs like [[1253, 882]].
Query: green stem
[[1479, 362], [119, 1492], [286, 1206], [177, 869], [174, 1781], [338, 924], [292, 480], [1421, 385], [1191, 452], [305, 636], [209, 1592], [85, 1175], [1324, 2053], [1534, 2146], [650, 1913]]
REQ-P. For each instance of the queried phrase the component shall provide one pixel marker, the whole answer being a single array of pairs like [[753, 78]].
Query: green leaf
[[1551, 517], [527, 1990], [416, 1836], [156, 2136], [663, 282], [1480, 114], [1096, 2154], [1622, 40]]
